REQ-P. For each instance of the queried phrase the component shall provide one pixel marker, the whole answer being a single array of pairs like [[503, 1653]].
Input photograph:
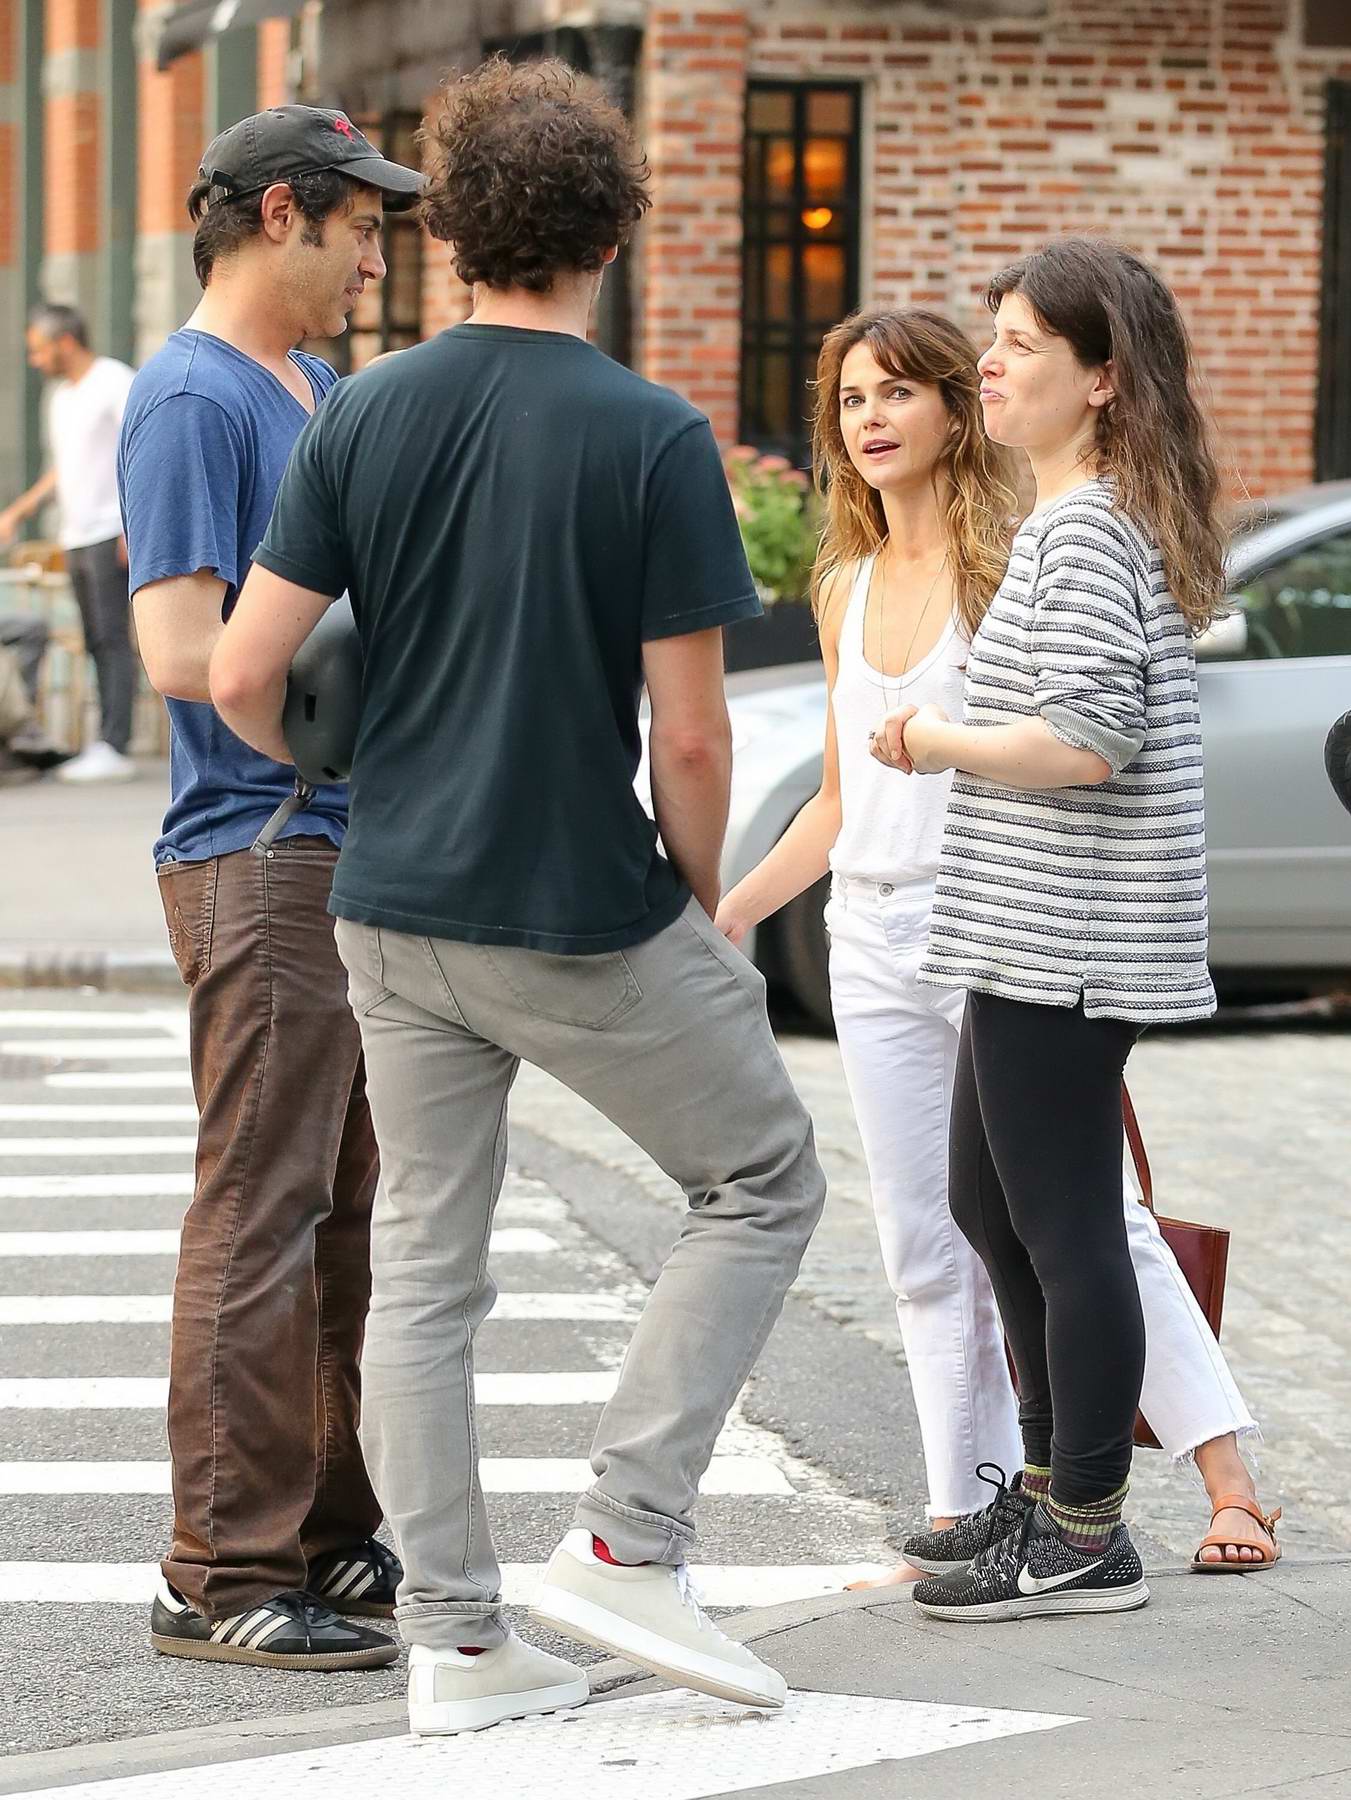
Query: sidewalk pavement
[[78, 901], [1219, 1687]]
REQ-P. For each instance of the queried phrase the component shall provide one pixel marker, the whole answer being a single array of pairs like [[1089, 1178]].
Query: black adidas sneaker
[[953, 1550], [1034, 1572], [289, 1631], [360, 1582]]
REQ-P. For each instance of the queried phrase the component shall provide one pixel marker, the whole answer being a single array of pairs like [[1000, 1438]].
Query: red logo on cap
[[345, 127]]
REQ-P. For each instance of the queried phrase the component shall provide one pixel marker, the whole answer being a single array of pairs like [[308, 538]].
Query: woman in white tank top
[[918, 508]]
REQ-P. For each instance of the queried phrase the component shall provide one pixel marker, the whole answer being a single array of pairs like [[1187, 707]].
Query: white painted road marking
[[25, 1019], [498, 1475], [137, 1049], [98, 1146], [508, 1241], [156, 1309], [88, 1243], [102, 1393], [133, 1584], [665, 1746], [120, 1078], [169, 1113], [96, 1187]]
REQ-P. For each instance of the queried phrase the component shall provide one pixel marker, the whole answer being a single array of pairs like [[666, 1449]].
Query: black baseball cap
[[300, 140]]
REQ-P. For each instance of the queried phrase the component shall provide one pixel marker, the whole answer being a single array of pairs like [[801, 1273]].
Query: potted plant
[[780, 527]]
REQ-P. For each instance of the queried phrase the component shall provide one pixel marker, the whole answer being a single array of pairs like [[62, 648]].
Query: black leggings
[[1035, 1184]]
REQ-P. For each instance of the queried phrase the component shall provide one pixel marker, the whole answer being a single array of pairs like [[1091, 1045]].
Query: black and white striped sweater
[[1093, 891]]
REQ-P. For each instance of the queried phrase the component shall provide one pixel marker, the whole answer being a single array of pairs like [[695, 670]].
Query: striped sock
[[1087, 1528], [1036, 1483]]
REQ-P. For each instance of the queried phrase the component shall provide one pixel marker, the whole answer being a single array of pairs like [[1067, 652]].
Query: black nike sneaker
[[953, 1550], [1034, 1572], [289, 1631], [360, 1582]]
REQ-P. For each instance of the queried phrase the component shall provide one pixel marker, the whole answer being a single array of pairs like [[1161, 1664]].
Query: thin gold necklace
[[882, 628]]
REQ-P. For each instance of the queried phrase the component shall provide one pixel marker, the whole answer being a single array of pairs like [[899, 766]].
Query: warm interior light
[[816, 218]]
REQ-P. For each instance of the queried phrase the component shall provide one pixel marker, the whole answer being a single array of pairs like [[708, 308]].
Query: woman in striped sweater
[[918, 505], [1070, 903]]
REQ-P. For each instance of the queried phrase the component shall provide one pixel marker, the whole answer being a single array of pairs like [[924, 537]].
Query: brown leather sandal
[[1217, 1539]]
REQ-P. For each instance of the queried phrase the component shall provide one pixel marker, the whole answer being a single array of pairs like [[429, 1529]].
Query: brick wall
[[71, 212], [1191, 130], [693, 90], [274, 54], [171, 133]]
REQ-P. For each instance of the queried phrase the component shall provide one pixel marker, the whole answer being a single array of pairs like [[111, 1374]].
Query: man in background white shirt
[[85, 419]]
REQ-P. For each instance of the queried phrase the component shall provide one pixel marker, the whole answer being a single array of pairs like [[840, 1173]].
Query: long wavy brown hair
[[973, 476], [1153, 439]]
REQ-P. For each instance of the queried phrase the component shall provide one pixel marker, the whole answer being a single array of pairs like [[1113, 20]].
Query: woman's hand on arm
[[1023, 754]]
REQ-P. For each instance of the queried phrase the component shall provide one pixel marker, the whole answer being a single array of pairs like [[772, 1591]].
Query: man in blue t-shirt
[[529, 532], [273, 1511]]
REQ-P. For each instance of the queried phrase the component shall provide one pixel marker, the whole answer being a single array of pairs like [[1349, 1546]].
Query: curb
[[254, 1738], [111, 971]]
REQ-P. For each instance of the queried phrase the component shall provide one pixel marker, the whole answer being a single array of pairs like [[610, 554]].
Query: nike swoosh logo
[[1030, 1584]]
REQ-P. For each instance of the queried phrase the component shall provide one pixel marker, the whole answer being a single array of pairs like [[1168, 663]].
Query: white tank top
[[892, 824]]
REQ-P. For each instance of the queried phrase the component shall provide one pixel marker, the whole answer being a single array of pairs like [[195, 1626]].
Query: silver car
[[1274, 675]]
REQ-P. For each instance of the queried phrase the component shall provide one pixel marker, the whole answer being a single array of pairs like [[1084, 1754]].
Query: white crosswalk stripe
[[89, 1452], [498, 1475], [137, 1049], [117, 1080], [104, 1393], [132, 1584], [156, 1309], [47, 1147], [150, 1113], [509, 1240]]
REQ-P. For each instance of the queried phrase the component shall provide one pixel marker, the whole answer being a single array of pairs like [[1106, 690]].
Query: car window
[[1302, 605]]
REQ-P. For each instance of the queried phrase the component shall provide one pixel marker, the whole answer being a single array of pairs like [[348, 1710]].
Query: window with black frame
[[800, 269]]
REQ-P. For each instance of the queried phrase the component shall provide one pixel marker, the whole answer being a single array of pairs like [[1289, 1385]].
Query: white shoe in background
[[457, 1690], [100, 762], [649, 1614]]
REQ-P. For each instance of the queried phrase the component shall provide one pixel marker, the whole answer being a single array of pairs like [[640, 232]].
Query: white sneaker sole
[[606, 1630], [442, 1718], [1044, 1606]]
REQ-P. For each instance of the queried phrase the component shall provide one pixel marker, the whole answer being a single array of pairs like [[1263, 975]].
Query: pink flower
[[742, 453], [774, 465]]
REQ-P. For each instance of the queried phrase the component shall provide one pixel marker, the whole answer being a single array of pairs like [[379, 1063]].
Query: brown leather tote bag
[[1202, 1251]]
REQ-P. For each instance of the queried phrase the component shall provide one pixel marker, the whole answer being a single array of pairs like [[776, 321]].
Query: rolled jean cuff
[[452, 1624], [632, 1536]]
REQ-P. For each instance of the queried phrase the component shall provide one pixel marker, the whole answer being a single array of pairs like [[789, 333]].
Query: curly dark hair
[[532, 173], [226, 222]]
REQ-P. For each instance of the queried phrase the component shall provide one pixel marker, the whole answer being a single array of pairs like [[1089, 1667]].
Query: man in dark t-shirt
[[274, 1513], [528, 533]]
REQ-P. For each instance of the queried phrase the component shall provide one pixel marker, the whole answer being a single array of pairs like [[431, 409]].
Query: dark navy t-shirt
[[205, 439], [514, 517]]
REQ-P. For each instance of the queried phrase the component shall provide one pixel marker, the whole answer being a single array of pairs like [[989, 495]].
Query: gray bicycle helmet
[[323, 698]]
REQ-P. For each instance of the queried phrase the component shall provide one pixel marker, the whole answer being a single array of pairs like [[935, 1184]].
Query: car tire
[[804, 952]]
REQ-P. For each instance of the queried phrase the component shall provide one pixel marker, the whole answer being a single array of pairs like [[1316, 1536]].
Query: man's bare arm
[[270, 622], [36, 497], [690, 754], [178, 625]]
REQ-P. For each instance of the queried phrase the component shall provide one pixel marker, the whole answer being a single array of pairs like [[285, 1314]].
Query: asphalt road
[[76, 1565], [1247, 1126]]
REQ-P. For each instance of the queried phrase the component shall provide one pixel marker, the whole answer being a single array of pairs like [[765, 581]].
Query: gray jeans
[[670, 1040]]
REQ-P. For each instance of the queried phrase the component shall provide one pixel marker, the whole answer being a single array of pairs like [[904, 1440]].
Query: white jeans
[[898, 1042]]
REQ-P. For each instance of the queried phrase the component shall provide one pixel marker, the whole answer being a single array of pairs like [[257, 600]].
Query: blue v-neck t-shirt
[[205, 441]]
